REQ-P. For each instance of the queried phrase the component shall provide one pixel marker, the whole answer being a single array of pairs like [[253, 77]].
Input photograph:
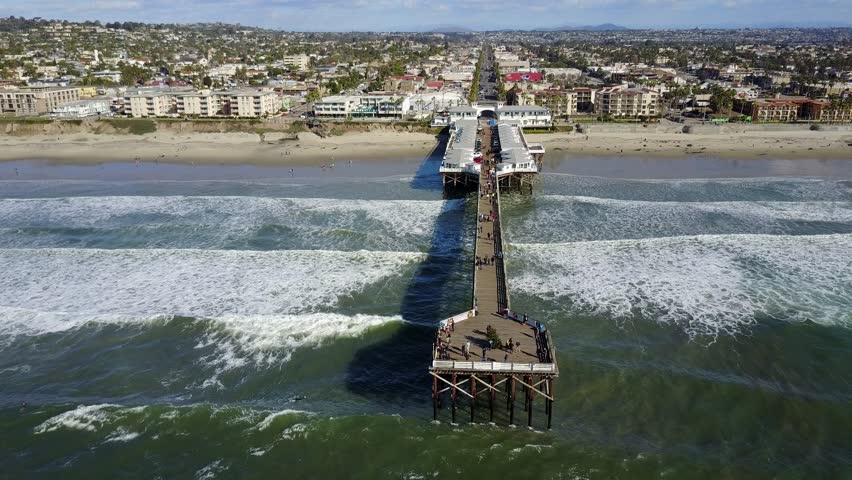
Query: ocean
[[172, 321]]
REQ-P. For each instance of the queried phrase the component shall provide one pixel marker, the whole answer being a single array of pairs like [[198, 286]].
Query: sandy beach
[[217, 148], [791, 144], [308, 149]]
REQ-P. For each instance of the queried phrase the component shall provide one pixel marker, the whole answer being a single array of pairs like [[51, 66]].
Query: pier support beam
[[455, 387], [434, 398], [512, 401], [491, 395], [530, 394], [472, 398], [549, 403]]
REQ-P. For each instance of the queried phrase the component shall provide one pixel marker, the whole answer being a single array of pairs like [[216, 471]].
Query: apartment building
[[149, 104], [585, 99], [825, 111], [363, 106], [81, 109], [250, 103], [525, 115], [36, 100], [561, 103], [774, 110], [627, 102], [405, 83], [203, 103], [300, 61]]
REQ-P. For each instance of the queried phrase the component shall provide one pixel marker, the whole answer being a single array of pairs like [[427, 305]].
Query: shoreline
[[781, 145], [308, 149]]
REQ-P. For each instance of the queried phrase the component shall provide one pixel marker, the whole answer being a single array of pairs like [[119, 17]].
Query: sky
[[418, 15]]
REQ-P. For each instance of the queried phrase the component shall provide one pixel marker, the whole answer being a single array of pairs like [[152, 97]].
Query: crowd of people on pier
[[444, 342]]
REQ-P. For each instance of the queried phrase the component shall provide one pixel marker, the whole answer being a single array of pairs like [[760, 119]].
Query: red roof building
[[522, 77]]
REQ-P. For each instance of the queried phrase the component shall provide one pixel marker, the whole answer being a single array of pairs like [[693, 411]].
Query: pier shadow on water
[[393, 372]]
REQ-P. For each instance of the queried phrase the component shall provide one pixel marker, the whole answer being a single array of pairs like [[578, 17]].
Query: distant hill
[[449, 29], [594, 28]]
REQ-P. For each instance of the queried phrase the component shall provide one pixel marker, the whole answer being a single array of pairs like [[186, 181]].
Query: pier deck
[[491, 291], [532, 365]]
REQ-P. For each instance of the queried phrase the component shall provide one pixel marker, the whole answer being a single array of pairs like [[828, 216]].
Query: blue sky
[[342, 15]]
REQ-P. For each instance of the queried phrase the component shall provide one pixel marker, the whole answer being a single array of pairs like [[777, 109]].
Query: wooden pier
[[465, 365]]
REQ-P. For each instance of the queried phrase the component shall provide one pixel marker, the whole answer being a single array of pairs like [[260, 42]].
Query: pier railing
[[493, 366], [500, 253]]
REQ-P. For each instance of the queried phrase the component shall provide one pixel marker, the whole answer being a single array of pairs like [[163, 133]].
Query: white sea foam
[[265, 341], [270, 418], [211, 470], [414, 217], [122, 435], [560, 218], [814, 211], [706, 284], [46, 290], [90, 418]]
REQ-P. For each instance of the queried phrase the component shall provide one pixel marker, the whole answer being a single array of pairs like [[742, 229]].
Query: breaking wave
[[218, 222], [48, 290], [558, 218], [707, 284]]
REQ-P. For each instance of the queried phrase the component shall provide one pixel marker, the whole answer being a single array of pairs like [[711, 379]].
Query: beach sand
[[792, 144], [217, 148], [308, 149]]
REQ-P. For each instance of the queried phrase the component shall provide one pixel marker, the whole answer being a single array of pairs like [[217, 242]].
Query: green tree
[[133, 74]]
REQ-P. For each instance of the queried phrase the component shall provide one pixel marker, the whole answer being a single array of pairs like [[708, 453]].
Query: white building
[[36, 100], [422, 105], [627, 102], [459, 157], [81, 109], [300, 61], [363, 106], [113, 76], [149, 104], [203, 103], [251, 103], [525, 115]]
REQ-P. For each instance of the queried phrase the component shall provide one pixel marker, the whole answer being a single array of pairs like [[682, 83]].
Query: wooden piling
[[434, 398], [530, 406], [455, 386], [512, 402], [549, 403], [472, 398], [491, 395]]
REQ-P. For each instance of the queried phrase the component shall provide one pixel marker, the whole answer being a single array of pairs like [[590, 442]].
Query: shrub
[[134, 126], [296, 127], [491, 334]]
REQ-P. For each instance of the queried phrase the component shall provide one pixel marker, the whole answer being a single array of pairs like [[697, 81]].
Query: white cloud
[[115, 4]]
